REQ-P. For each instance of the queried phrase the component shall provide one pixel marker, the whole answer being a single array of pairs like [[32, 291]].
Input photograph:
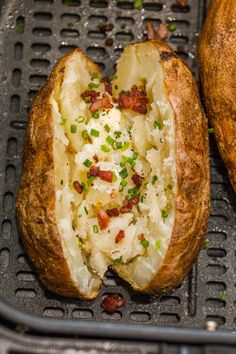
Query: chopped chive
[[94, 133], [133, 192], [123, 184], [116, 87], [222, 297], [144, 243], [86, 210], [86, 100], [114, 177], [117, 145], [158, 245], [80, 119], [125, 158], [142, 198], [63, 121], [95, 76], [62, 182], [109, 140], [138, 4], [92, 85], [90, 179], [164, 214], [124, 172], [114, 77], [135, 156], [107, 128], [171, 27], [95, 115], [154, 179], [117, 260], [95, 229], [86, 136], [206, 245], [105, 148], [73, 128], [80, 242], [169, 186], [117, 133], [158, 124], [125, 146], [87, 163], [211, 130]]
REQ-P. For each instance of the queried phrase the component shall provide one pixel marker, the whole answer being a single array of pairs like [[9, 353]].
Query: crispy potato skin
[[193, 175], [36, 198], [217, 52]]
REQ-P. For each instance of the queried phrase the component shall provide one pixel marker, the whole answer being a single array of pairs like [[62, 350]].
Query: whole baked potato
[[115, 174], [217, 52]]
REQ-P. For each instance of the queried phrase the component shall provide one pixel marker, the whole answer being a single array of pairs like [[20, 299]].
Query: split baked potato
[[217, 52], [115, 174]]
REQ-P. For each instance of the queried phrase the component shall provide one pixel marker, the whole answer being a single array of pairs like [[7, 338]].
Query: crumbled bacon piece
[[141, 237], [151, 33], [134, 200], [113, 212], [162, 31], [95, 158], [77, 186], [103, 218], [105, 27], [115, 100], [136, 99], [109, 42], [106, 175], [91, 95], [120, 236], [103, 103], [137, 179], [108, 86], [182, 3], [128, 205], [124, 210], [94, 170], [112, 302]]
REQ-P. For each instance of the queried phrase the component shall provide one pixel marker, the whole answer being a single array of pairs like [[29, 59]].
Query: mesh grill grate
[[35, 34]]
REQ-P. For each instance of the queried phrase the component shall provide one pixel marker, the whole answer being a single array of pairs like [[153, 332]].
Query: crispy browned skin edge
[[217, 53], [36, 199], [193, 175]]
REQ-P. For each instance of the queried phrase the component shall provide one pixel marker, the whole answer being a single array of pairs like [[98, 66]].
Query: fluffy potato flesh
[[125, 143]]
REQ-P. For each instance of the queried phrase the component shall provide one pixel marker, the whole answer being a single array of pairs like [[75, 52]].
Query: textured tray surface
[[35, 34]]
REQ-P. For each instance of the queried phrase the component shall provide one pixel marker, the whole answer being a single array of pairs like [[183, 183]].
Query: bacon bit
[[151, 34], [77, 186], [106, 175], [103, 103], [95, 158], [103, 218], [136, 99], [137, 179], [105, 27], [94, 170], [120, 236], [112, 302], [71, 150], [91, 94], [115, 100], [124, 210], [141, 237], [107, 82], [135, 201], [182, 3], [113, 212], [162, 31], [109, 42]]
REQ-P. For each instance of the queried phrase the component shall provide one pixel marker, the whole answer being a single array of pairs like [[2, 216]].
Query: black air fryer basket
[[34, 35]]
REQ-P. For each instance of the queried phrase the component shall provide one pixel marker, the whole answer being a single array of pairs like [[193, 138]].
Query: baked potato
[[217, 52], [115, 174]]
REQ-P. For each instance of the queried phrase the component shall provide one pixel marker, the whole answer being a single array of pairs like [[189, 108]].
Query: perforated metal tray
[[34, 34]]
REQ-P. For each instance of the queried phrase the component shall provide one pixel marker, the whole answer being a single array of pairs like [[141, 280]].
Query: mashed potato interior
[[125, 143]]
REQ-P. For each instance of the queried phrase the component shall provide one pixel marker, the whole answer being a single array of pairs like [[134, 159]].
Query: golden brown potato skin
[[193, 175], [217, 53], [36, 199]]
